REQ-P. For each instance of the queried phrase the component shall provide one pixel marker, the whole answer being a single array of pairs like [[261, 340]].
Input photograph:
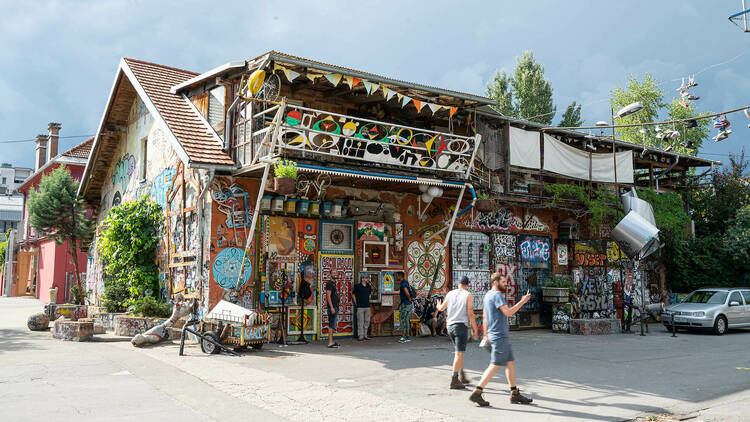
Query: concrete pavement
[[609, 378]]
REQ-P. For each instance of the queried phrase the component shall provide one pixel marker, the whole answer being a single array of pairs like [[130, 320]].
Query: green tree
[[737, 240], [572, 116], [127, 248], [526, 94], [652, 98], [56, 211]]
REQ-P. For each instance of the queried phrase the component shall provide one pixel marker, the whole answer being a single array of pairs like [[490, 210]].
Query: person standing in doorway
[[496, 313], [405, 309], [459, 309], [332, 306], [361, 295]]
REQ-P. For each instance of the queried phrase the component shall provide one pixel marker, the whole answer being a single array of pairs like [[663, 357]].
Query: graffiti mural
[[161, 185], [532, 280], [422, 260], [124, 170], [226, 268], [345, 266], [534, 251], [498, 220], [479, 284], [562, 254], [561, 315], [533, 223], [505, 245], [382, 143], [232, 201]]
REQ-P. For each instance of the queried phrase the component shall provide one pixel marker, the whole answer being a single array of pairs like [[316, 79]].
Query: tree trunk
[[72, 250]]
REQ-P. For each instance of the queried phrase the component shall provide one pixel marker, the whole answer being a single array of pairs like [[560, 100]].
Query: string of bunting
[[336, 79]]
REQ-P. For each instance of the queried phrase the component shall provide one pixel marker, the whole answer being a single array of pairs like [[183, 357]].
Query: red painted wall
[[53, 267]]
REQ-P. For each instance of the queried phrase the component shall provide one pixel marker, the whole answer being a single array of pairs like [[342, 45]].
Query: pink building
[[43, 264]]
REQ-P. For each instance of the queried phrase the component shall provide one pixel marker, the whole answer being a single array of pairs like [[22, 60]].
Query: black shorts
[[459, 334], [333, 318]]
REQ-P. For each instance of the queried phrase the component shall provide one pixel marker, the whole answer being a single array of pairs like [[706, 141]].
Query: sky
[[58, 58]]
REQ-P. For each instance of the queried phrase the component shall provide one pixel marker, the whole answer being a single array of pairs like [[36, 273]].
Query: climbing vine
[[127, 249], [600, 203]]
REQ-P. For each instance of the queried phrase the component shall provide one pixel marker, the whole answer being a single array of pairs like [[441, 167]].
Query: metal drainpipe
[[201, 205]]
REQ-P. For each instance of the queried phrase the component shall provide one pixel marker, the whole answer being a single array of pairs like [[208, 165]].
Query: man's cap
[[464, 280]]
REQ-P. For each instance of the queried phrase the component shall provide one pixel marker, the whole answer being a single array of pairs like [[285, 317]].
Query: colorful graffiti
[[161, 185], [479, 284], [562, 254], [532, 280], [533, 223], [422, 261], [232, 201], [534, 251], [374, 142], [226, 268], [124, 170], [508, 270], [498, 220]]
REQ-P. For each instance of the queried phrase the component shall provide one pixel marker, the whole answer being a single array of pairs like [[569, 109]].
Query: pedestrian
[[496, 313], [459, 310], [361, 293], [434, 318], [405, 309], [332, 306]]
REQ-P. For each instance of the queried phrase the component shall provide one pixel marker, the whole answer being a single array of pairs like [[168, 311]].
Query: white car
[[714, 308]]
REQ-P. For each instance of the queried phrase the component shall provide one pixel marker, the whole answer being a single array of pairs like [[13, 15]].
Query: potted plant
[[484, 203], [285, 177], [558, 290]]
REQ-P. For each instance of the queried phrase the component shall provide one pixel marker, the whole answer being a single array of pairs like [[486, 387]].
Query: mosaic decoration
[[336, 237], [226, 268], [387, 281], [422, 260], [345, 266], [505, 245], [293, 320]]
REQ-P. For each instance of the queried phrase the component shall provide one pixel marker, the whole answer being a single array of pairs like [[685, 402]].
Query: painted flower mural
[[423, 258]]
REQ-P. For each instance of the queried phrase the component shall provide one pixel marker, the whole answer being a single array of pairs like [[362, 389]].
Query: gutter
[[667, 170]]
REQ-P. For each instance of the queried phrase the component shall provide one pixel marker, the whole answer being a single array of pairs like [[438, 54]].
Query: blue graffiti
[[123, 172], [161, 185]]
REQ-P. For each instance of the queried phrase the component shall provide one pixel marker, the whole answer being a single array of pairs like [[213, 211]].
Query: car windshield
[[706, 296]]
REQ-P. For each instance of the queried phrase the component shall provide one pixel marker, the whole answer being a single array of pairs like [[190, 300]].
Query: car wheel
[[209, 347], [720, 325]]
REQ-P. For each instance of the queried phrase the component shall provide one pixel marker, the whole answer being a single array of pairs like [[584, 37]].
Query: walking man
[[406, 307], [361, 295], [496, 313], [459, 310], [332, 306]]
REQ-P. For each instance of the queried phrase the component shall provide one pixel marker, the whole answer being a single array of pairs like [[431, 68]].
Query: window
[[746, 294], [735, 297], [215, 115], [5, 180], [144, 157], [706, 296]]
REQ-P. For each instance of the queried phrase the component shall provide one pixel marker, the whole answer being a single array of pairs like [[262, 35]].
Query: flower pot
[[284, 185], [485, 205], [555, 294]]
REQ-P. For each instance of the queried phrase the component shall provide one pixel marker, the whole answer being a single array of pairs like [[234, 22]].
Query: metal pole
[[614, 159], [744, 17], [643, 298], [674, 329]]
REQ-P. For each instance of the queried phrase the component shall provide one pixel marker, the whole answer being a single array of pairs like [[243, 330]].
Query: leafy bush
[[285, 168], [149, 307], [561, 281], [127, 248], [483, 195], [600, 202]]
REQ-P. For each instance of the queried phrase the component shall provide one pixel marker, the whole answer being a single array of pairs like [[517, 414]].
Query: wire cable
[[14, 141]]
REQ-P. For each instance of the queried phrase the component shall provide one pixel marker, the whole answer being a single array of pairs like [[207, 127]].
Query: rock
[[38, 322], [73, 330], [129, 326], [595, 326]]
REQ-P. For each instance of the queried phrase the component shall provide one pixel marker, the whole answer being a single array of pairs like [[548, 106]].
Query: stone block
[[72, 312], [38, 322], [128, 326], [99, 329], [595, 326], [106, 319], [73, 330]]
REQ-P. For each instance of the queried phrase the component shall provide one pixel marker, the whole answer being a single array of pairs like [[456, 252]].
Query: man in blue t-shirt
[[406, 307], [496, 313]]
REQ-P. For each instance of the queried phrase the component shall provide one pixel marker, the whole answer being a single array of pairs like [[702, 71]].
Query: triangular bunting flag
[[399, 97], [433, 107], [368, 86], [453, 111], [290, 74], [374, 87], [418, 105], [405, 100], [312, 76], [388, 93], [355, 81], [348, 81], [334, 78]]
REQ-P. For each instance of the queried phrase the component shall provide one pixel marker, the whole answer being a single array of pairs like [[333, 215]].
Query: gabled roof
[[78, 155], [81, 150], [189, 134]]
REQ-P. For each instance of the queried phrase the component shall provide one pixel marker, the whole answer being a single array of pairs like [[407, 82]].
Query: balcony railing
[[325, 134]]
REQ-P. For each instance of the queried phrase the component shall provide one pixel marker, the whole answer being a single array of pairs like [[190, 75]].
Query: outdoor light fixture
[[629, 109]]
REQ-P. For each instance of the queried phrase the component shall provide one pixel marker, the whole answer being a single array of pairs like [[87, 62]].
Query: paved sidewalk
[[608, 378]]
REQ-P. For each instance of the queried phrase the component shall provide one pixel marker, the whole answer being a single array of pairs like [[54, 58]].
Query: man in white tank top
[[459, 309]]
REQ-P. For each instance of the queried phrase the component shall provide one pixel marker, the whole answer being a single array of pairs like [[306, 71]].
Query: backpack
[[412, 292], [304, 290]]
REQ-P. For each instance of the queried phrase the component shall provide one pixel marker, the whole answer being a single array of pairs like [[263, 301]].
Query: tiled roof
[[199, 144], [81, 150]]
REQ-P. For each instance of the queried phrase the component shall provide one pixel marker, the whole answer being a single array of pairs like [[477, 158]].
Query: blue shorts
[[502, 353]]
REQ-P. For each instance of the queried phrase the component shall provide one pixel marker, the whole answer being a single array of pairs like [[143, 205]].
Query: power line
[[13, 141]]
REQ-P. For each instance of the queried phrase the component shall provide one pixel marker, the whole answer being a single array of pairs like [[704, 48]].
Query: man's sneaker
[[517, 398], [476, 397], [407, 339], [463, 378], [456, 384], [402, 340]]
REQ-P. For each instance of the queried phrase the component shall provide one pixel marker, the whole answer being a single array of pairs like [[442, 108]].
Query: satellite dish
[[630, 109]]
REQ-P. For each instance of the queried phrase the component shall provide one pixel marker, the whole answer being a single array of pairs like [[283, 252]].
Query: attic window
[[216, 109]]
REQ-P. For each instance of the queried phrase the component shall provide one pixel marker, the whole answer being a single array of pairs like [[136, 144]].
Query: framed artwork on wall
[[373, 279], [374, 254]]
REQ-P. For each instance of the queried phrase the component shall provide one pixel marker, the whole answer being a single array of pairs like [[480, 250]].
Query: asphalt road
[[604, 378]]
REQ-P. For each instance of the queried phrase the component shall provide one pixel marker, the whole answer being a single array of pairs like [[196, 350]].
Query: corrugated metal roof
[[11, 215]]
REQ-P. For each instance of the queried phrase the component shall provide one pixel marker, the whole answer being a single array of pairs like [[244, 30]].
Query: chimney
[[41, 151], [54, 132]]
